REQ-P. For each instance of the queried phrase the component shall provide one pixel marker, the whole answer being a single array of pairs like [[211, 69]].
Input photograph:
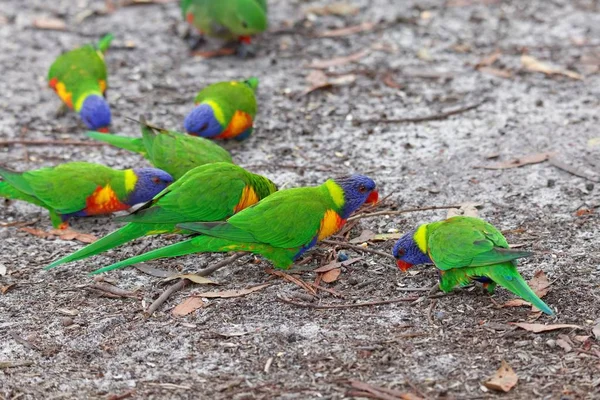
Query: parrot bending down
[[79, 78], [227, 19], [224, 110], [280, 228], [211, 192], [466, 249], [172, 151], [80, 189]]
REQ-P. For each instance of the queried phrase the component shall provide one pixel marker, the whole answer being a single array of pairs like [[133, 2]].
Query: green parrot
[[224, 110], [226, 19], [466, 249], [171, 151], [211, 192], [281, 227], [80, 189], [79, 78]]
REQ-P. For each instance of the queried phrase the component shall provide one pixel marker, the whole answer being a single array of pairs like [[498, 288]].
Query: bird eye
[[155, 179], [400, 253], [362, 188], [203, 127], [244, 24]]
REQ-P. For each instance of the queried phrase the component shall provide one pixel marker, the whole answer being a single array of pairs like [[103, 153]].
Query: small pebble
[[66, 321], [551, 183], [589, 186], [342, 256]]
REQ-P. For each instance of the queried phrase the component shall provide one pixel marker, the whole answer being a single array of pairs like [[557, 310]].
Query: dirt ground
[[61, 340]]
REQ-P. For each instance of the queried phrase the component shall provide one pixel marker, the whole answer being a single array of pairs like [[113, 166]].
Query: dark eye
[[362, 188], [203, 127], [155, 179], [400, 253], [244, 24]]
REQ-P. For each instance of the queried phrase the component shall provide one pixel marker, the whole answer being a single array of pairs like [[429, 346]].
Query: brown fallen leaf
[[157, 272], [565, 343], [338, 61], [539, 284], [192, 277], [331, 276], [538, 328], [340, 8], [222, 52], [503, 380], [53, 24], [489, 59], [534, 65], [327, 267], [187, 306], [232, 293], [319, 80], [500, 73], [518, 162], [389, 81], [6, 288], [382, 393], [350, 30], [364, 236], [292, 279], [68, 234]]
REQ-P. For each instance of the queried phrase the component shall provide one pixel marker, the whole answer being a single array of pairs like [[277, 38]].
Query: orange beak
[[373, 197], [403, 265], [103, 130]]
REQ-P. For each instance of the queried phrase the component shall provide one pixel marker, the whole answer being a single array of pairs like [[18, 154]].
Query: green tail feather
[[10, 192], [252, 82], [104, 43], [125, 234], [505, 275], [281, 258], [123, 142]]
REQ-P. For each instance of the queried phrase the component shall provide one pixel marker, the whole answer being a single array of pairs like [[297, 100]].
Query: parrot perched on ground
[[79, 78], [466, 249], [80, 189], [172, 151], [280, 228], [224, 110], [226, 19], [207, 193]]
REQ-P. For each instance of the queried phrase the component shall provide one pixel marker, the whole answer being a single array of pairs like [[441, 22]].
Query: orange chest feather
[[240, 122], [61, 91], [247, 199], [330, 224], [104, 200]]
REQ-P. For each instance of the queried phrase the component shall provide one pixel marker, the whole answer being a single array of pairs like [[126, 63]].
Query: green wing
[[132, 144], [468, 242], [206, 193], [286, 219], [104, 43], [230, 97]]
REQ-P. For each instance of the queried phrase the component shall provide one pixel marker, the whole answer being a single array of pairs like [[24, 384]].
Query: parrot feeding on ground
[[466, 249], [172, 151], [226, 19], [80, 189], [211, 192], [79, 78], [281, 227], [224, 110]]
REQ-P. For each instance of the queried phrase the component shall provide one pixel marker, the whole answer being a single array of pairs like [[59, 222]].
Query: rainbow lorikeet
[[80, 189], [466, 249], [211, 192], [227, 19], [172, 151], [224, 110], [79, 78], [280, 228]]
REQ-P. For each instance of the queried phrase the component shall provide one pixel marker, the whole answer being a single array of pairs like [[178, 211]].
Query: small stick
[[358, 248], [209, 270], [406, 210], [290, 278], [334, 306], [333, 292], [572, 170], [5, 143], [114, 290]]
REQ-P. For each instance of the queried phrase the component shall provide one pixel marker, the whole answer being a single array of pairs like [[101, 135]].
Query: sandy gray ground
[[220, 352]]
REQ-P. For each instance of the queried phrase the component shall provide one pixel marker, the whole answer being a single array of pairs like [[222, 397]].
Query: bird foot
[[245, 50], [194, 42]]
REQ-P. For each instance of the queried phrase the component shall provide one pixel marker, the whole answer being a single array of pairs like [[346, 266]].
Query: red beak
[[373, 197], [103, 130], [403, 265]]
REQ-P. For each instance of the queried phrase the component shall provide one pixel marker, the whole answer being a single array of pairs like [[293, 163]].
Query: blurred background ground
[[399, 60]]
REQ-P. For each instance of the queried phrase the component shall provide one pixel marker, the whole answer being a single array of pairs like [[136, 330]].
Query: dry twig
[[333, 306], [358, 248], [5, 143]]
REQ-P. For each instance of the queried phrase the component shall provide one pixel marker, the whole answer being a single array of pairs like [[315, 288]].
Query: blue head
[[358, 189], [203, 122], [95, 113], [149, 183], [407, 251]]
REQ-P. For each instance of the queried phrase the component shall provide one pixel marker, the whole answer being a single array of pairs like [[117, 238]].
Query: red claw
[[103, 130], [403, 265], [373, 197]]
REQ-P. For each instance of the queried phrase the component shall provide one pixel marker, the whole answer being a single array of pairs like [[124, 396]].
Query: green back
[[227, 19], [177, 153], [66, 187], [206, 193], [230, 97], [460, 242], [80, 70]]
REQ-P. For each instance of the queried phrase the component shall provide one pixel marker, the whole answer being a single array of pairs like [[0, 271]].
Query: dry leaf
[[540, 283], [232, 293], [382, 237], [6, 288], [377, 392], [68, 234], [340, 8], [187, 306], [564, 342], [327, 267], [319, 80], [519, 162], [364, 236], [337, 61], [192, 277], [535, 65], [54, 24], [489, 60], [500, 73], [596, 331], [350, 30], [537, 328], [503, 380], [159, 273], [331, 276]]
